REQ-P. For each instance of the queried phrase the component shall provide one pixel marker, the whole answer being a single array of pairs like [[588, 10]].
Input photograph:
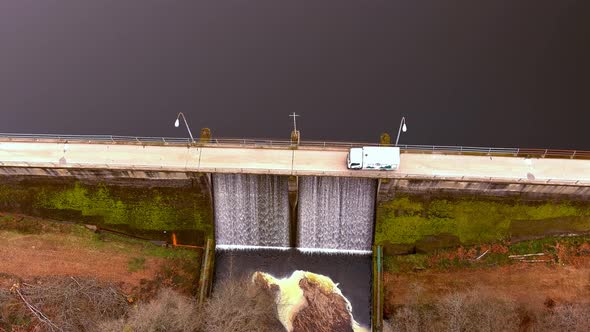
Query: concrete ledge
[[389, 189]]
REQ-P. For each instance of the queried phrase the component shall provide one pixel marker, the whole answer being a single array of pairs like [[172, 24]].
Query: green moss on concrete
[[407, 219], [97, 202], [12, 196], [149, 210], [140, 208]]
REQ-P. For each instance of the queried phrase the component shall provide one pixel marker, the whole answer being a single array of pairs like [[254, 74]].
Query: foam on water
[[238, 247], [334, 251]]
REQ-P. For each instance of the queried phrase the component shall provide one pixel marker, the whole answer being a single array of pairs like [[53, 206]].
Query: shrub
[[385, 139], [168, 311], [469, 311], [237, 306], [295, 137], [241, 306], [205, 135], [567, 317]]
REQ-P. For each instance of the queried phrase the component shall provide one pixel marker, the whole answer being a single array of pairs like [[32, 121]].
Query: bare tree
[[567, 317]]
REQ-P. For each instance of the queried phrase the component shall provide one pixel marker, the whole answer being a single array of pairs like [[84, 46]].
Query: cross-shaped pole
[[294, 121]]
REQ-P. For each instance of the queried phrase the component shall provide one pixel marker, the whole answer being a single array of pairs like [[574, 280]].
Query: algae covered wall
[[141, 207], [414, 222]]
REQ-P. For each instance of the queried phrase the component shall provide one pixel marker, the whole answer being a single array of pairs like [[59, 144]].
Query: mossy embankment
[[147, 210], [411, 223]]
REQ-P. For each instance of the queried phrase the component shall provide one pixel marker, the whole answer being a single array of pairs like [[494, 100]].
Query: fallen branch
[[76, 281], [40, 316], [480, 256], [527, 255], [536, 261]]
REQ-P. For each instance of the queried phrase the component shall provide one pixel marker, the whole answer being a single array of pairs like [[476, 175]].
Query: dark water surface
[[352, 272], [496, 73]]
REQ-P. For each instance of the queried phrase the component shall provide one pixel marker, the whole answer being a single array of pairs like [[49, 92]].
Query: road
[[284, 161]]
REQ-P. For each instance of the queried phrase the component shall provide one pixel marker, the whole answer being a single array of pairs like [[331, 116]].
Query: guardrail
[[516, 152]]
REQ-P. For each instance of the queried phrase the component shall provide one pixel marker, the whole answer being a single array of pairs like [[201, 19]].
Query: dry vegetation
[[241, 306], [77, 304], [168, 311], [68, 304], [538, 285], [80, 304], [60, 304], [237, 306], [475, 311]]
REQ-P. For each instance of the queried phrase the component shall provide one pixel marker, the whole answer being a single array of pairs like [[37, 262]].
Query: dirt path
[[30, 256], [528, 284]]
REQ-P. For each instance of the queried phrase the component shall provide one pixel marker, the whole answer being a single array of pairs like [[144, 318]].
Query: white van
[[374, 158]]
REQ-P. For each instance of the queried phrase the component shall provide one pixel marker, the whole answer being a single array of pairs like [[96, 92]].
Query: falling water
[[251, 210], [336, 213]]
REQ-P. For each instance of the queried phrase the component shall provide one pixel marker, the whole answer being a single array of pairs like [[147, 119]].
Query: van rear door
[[355, 158]]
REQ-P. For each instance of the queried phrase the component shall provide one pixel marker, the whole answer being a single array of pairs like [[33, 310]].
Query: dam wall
[[510, 189], [418, 216], [149, 205]]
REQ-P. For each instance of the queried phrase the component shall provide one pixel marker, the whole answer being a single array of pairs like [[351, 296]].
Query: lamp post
[[177, 123], [402, 127]]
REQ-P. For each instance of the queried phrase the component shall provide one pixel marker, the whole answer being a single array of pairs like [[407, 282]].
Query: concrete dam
[[280, 211]]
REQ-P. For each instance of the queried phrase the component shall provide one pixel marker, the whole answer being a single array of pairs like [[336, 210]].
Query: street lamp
[[177, 123], [402, 127]]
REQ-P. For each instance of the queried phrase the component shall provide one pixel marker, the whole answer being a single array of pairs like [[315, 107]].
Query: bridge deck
[[283, 160]]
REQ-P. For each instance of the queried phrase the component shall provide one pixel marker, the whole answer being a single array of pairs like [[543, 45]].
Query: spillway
[[251, 210], [336, 213]]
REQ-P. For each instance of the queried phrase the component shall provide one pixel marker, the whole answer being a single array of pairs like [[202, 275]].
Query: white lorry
[[373, 158]]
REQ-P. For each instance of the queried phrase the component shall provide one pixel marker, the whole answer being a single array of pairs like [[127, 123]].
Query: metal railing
[[516, 152]]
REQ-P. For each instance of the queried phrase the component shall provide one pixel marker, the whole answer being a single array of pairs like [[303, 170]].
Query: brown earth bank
[[32, 248], [526, 283], [31, 256]]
